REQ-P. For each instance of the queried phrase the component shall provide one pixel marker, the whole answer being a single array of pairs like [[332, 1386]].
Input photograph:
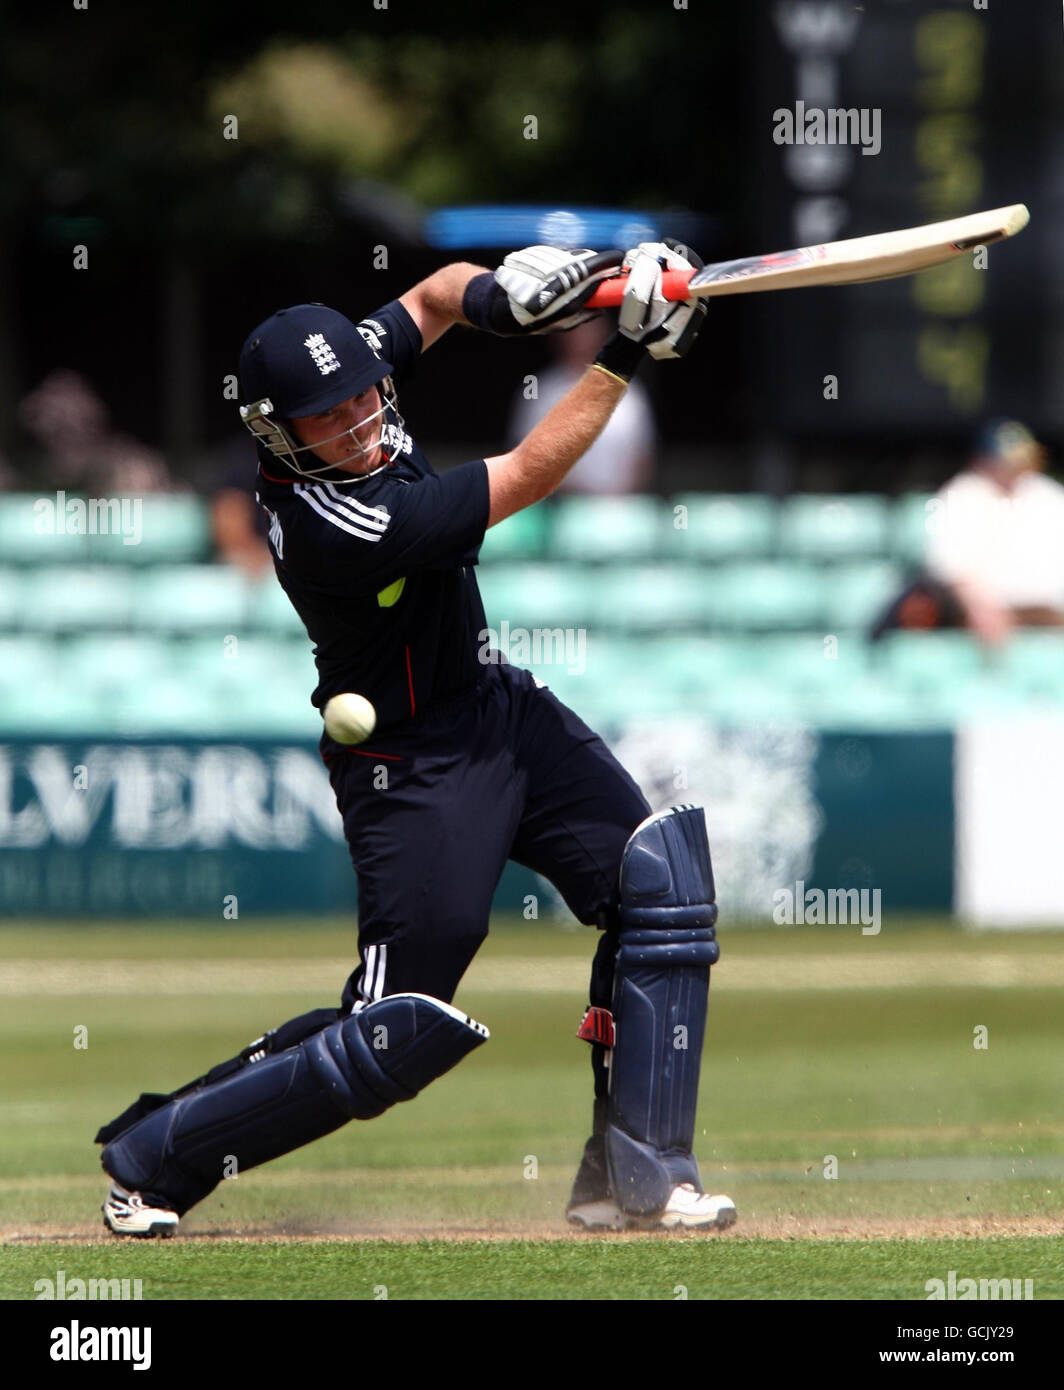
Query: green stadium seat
[[152, 528], [174, 528], [857, 594], [993, 694], [11, 603], [612, 679], [691, 664], [842, 527], [208, 661], [58, 598], [137, 684], [807, 663], [909, 528], [746, 700], [59, 712], [252, 668], [22, 539], [265, 696], [508, 591], [106, 671], [270, 609], [522, 536], [289, 720], [610, 657], [27, 659], [652, 598], [1033, 663], [736, 526], [677, 670], [41, 691], [874, 702], [606, 528], [540, 595], [190, 598], [926, 662], [968, 696], [107, 663], [157, 685], [763, 597], [171, 704], [634, 677]]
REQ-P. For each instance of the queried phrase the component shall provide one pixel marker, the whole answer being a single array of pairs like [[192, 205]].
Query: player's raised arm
[[648, 324], [538, 290], [435, 304]]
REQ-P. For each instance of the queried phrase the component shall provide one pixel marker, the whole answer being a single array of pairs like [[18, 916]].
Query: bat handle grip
[[610, 292]]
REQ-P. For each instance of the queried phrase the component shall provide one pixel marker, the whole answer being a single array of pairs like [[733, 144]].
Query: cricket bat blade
[[879, 257]]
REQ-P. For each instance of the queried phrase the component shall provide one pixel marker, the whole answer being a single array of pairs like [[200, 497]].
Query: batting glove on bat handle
[[546, 287], [665, 328]]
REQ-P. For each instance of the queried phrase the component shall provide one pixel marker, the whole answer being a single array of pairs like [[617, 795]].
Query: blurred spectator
[[72, 425], [997, 537], [238, 524], [622, 458], [995, 552]]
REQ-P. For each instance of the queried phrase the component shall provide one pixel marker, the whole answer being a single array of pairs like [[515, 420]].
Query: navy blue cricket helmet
[[303, 361]]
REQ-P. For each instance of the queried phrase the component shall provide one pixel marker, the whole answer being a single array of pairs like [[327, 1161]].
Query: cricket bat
[[850, 262]]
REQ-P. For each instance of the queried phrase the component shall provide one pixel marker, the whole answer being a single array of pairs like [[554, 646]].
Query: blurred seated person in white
[[996, 535], [621, 460], [995, 544]]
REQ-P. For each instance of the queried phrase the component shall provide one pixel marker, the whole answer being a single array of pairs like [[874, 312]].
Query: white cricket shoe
[[685, 1208], [690, 1208], [127, 1214]]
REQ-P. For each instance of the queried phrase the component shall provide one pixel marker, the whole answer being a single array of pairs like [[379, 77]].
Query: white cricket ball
[[349, 718]]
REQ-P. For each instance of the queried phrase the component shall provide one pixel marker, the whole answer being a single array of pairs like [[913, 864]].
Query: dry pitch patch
[[785, 1228]]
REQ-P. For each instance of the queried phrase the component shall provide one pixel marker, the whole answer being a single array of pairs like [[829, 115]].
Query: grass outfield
[[822, 1045], [664, 1268]]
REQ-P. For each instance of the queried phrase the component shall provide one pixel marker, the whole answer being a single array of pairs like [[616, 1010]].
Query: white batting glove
[[667, 328], [546, 285]]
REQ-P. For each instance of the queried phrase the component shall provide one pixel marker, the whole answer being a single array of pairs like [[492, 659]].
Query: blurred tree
[[444, 119], [115, 121]]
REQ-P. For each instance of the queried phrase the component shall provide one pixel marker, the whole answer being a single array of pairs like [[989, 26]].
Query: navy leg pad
[[667, 944], [287, 1035], [355, 1068]]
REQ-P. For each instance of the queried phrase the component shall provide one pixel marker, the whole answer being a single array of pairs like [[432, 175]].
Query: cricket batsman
[[481, 763]]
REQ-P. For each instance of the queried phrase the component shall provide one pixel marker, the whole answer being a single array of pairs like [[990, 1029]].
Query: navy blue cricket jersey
[[380, 571]]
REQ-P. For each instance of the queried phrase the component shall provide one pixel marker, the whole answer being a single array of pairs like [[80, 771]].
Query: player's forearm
[[444, 289], [535, 468], [435, 303]]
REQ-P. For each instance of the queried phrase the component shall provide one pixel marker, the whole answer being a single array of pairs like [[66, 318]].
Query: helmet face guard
[[277, 435]]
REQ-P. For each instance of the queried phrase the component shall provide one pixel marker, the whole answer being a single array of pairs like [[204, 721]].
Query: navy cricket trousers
[[433, 811]]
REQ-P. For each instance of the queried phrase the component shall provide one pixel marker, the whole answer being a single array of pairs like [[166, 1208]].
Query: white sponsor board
[[1009, 846]]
